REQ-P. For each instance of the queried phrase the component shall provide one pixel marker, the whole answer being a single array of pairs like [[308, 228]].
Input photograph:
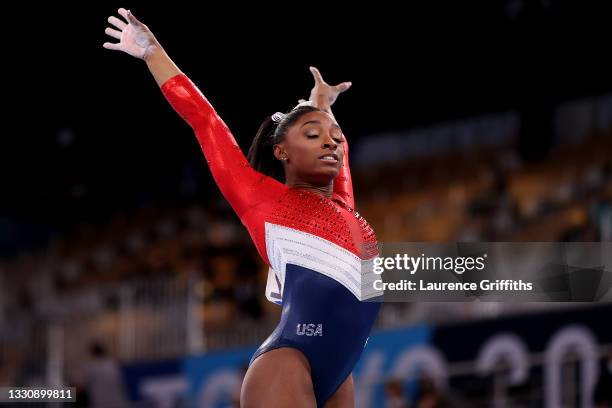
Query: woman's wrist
[[321, 103], [152, 51], [160, 65]]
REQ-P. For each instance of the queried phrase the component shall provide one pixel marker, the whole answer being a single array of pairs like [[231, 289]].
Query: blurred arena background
[[125, 273]]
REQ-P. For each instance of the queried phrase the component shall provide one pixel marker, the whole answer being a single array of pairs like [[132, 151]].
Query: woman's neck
[[325, 191]]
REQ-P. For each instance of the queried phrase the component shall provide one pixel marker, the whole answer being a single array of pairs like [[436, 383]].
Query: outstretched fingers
[[113, 33], [343, 87], [317, 75], [117, 23], [133, 20], [320, 81], [123, 13], [111, 46]]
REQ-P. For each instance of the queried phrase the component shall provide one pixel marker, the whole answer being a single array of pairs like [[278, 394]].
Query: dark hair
[[260, 154]]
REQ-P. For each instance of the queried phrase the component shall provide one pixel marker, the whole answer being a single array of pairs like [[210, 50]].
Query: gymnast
[[293, 192]]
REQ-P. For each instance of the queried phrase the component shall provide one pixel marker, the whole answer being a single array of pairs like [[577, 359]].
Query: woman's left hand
[[324, 95], [134, 37]]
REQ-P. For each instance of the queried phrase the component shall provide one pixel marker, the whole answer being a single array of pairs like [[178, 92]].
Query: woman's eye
[[312, 136], [337, 140]]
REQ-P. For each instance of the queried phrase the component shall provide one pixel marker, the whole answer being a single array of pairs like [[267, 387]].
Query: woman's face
[[314, 150]]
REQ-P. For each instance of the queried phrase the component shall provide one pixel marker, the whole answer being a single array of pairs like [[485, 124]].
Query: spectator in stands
[[103, 379]]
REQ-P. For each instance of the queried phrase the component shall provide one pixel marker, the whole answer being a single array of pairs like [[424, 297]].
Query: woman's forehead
[[317, 118]]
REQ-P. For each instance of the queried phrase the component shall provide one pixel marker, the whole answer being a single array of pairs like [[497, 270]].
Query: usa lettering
[[309, 329]]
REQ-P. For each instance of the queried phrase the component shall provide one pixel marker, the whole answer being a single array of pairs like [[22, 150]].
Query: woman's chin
[[328, 175], [322, 177]]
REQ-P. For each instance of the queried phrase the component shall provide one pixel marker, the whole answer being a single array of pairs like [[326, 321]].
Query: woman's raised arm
[[241, 185], [137, 40], [323, 97]]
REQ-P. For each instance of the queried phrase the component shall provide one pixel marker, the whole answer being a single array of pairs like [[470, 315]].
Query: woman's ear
[[279, 152]]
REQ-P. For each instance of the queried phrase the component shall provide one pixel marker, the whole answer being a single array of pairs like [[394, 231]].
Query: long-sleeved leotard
[[316, 248]]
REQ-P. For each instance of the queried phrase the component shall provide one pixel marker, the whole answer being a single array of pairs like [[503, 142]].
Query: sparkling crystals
[[323, 217]]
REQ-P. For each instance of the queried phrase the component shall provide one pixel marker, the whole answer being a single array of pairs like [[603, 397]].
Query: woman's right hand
[[134, 37]]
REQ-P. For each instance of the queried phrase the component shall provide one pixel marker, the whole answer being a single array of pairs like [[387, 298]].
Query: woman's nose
[[330, 143], [332, 146]]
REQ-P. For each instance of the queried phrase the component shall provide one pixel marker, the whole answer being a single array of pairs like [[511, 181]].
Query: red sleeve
[[241, 185], [343, 184]]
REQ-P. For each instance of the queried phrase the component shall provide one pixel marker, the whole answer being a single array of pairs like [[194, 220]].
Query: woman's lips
[[330, 157]]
